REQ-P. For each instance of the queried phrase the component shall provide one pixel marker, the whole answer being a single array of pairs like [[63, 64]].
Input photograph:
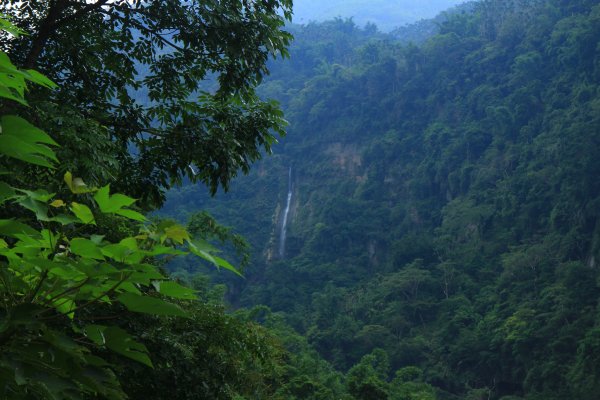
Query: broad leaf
[[82, 212], [133, 215], [119, 341], [13, 228], [150, 305], [86, 249], [37, 78], [175, 290], [110, 204], [21, 140], [10, 28], [76, 185], [197, 248], [6, 192]]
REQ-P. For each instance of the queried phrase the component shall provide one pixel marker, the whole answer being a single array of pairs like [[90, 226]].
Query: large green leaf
[[145, 274], [39, 79], [116, 251], [83, 212], [40, 209], [21, 140], [5, 25], [110, 204], [119, 341], [197, 248], [175, 290], [7, 94], [150, 305], [86, 249], [114, 204], [39, 195], [13, 228], [6, 192], [133, 215]]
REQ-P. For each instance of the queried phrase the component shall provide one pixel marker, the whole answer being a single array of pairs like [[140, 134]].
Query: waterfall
[[285, 216]]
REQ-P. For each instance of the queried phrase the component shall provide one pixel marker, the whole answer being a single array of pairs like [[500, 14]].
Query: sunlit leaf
[[197, 248], [110, 204], [21, 140], [76, 185], [133, 215], [10, 28], [82, 212], [58, 203]]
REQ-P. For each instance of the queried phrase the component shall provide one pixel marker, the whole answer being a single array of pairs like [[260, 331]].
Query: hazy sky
[[387, 14]]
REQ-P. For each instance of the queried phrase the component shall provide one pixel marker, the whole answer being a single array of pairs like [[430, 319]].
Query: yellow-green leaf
[[82, 212], [58, 203], [177, 233], [76, 185], [134, 215]]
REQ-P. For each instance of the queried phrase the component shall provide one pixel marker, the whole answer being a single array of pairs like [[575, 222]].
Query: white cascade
[[282, 233]]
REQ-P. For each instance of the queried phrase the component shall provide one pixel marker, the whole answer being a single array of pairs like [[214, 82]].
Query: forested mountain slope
[[445, 203]]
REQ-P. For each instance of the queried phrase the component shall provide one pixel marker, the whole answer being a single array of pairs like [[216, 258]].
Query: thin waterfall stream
[[282, 233]]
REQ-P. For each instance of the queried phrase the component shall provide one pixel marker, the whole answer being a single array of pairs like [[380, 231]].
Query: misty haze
[[386, 14]]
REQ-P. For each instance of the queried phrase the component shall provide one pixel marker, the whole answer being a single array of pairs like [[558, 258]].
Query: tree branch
[[88, 8], [40, 39], [53, 22], [94, 300], [67, 291], [35, 292], [145, 29]]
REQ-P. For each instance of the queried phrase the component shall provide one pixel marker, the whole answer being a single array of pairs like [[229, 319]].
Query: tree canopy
[[170, 84], [75, 258]]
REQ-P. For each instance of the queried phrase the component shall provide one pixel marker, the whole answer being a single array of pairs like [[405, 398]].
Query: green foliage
[[229, 357], [134, 72], [366, 380], [53, 269], [202, 225]]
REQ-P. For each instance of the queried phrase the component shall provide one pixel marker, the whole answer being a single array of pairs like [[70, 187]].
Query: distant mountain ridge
[[418, 32], [386, 14]]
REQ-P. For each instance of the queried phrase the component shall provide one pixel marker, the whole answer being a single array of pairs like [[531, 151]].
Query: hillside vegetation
[[444, 226]]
